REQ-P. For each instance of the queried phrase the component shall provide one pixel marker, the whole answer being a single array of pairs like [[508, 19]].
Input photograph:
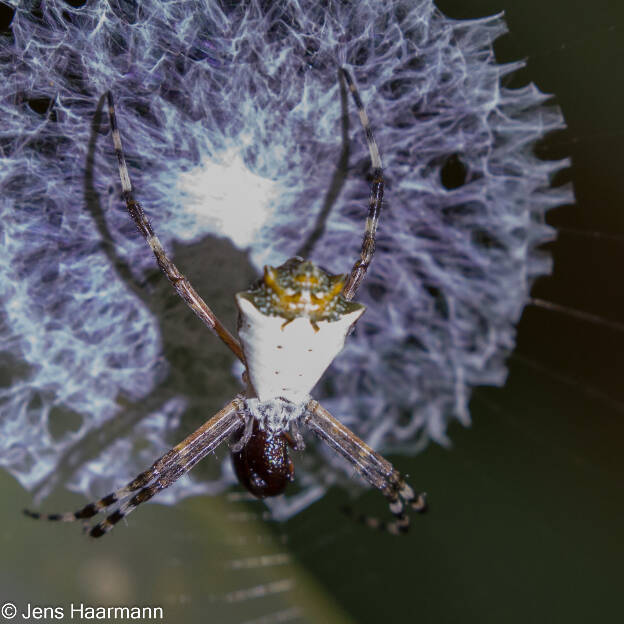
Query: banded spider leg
[[180, 283], [375, 201], [375, 469], [164, 471]]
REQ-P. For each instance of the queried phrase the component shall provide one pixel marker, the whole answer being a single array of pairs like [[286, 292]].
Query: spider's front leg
[[163, 472], [379, 472]]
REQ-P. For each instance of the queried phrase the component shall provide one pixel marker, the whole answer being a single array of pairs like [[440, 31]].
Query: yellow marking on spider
[[307, 280], [270, 279], [336, 289]]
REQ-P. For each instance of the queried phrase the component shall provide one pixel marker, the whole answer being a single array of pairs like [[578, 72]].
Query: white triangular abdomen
[[287, 360]]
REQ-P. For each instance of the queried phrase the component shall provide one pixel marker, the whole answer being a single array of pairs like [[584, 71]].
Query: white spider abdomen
[[287, 359]]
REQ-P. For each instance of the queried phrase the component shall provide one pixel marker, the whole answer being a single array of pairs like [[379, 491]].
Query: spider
[[292, 323]]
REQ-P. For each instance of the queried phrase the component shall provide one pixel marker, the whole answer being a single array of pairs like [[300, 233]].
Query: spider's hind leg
[[181, 284], [376, 196]]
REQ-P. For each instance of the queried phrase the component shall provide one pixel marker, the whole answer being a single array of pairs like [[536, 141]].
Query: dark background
[[526, 507]]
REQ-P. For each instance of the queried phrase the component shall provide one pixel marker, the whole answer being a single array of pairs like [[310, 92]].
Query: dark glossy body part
[[263, 465]]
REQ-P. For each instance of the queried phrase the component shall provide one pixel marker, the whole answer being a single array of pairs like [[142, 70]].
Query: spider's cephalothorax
[[263, 465], [260, 455], [292, 324]]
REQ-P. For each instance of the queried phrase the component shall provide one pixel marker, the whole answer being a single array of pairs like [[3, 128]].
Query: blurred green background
[[526, 507]]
